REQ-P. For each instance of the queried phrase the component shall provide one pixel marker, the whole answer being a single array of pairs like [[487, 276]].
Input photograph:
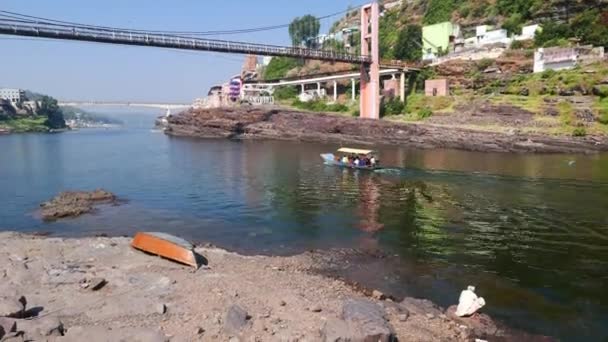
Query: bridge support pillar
[[353, 90], [370, 73], [402, 87], [302, 88], [319, 89], [335, 91]]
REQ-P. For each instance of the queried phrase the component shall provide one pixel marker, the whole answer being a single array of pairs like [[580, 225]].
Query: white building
[[554, 58], [486, 36], [15, 96], [528, 32]]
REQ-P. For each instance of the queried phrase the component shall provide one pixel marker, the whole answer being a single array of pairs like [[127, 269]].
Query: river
[[530, 231]]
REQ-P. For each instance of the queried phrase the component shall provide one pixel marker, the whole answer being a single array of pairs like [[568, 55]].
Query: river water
[[530, 231]]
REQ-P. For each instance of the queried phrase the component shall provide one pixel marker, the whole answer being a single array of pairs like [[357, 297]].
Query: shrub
[[547, 74], [285, 93], [579, 132], [517, 45], [425, 113], [603, 111], [320, 106], [392, 107], [279, 66]]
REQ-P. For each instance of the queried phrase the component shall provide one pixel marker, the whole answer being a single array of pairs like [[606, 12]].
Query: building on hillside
[[13, 95], [437, 87], [485, 35], [440, 38], [554, 58], [528, 32]]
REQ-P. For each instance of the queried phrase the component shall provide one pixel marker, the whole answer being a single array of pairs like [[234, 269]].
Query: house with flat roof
[[441, 37]]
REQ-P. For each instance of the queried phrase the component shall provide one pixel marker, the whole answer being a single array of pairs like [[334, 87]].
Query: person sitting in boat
[[372, 161], [345, 160], [357, 161]]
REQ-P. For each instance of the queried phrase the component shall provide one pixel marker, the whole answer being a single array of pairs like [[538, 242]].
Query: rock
[[282, 303], [161, 308], [316, 308], [200, 331], [430, 316], [74, 203], [481, 324], [235, 320], [97, 283], [420, 306], [369, 320], [403, 317], [10, 307], [378, 295], [38, 328], [103, 334]]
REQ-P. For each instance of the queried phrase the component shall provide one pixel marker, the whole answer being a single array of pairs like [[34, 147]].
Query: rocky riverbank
[[101, 289], [267, 123]]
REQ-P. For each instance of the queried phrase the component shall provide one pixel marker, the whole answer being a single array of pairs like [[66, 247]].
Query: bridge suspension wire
[[24, 18]]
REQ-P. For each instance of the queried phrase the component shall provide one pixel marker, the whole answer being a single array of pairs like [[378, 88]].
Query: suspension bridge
[[368, 60]]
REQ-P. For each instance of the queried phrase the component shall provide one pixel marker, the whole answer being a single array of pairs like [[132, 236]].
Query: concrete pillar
[[370, 73], [354, 93], [319, 89], [402, 87], [335, 91], [302, 87]]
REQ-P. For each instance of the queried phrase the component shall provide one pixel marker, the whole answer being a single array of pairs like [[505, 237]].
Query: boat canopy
[[354, 150]]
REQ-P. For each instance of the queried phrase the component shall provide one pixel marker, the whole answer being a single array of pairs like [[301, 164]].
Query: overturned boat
[[166, 246], [345, 157]]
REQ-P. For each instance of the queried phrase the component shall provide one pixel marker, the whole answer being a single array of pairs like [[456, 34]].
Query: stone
[[369, 319], [103, 334], [235, 319], [480, 323], [378, 295], [97, 283], [161, 308], [430, 316], [11, 307], [41, 327], [316, 308], [420, 306], [200, 331], [282, 303], [7, 325], [402, 317]]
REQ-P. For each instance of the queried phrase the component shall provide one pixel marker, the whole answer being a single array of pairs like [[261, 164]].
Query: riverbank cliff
[[286, 124], [77, 289]]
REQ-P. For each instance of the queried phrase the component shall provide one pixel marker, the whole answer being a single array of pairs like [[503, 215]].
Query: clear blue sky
[[83, 71]]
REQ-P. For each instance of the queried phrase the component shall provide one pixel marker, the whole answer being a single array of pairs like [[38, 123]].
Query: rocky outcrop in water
[[75, 203], [264, 123]]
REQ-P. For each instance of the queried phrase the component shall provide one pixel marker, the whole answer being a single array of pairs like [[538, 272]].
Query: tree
[[513, 24], [551, 33], [409, 44], [303, 29], [439, 11], [50, 109]]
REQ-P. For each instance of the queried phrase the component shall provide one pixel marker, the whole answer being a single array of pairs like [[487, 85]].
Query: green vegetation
[[301, 30], [25, 124], [408, 44], [320, 106], [439, 11], [279, 66], [602, 108], [579, 132], [285, 93], [392, 106], [54, 115]]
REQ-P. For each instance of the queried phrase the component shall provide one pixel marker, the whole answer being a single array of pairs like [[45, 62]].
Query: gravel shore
[[101, 289]]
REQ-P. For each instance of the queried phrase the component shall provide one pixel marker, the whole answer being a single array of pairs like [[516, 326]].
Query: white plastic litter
[[469, 303]]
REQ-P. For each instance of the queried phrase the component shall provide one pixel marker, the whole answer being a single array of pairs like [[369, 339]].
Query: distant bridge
[[124, 104]]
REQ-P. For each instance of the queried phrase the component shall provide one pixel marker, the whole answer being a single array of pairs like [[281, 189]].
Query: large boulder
[[362, 321]]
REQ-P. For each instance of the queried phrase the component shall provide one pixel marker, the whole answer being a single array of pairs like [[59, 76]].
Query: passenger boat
[[166, 246], [335, 159]]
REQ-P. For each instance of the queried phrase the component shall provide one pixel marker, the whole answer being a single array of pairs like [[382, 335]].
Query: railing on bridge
[[126, 37]]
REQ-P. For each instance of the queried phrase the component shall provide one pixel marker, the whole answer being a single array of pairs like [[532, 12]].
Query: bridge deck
[[125, 37]]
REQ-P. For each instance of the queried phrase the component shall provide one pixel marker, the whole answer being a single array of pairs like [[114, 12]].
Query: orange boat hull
[[166, 246]]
